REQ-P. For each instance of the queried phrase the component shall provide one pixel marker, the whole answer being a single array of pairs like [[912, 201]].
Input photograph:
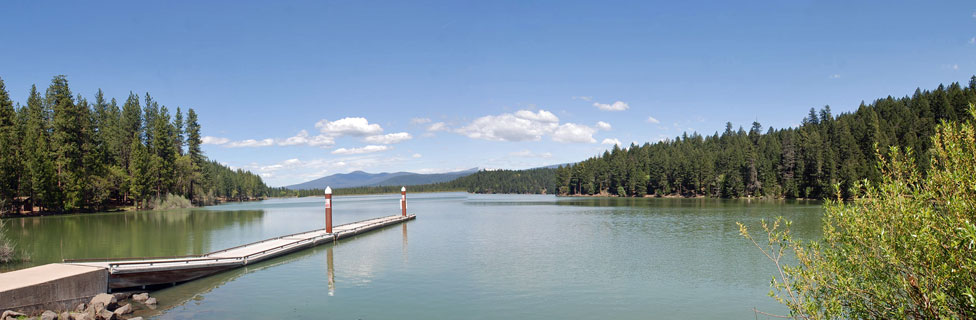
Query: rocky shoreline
[[103, 306]]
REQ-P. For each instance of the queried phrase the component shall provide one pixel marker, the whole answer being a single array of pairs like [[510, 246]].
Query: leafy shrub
[[170, 201], [904, 249]]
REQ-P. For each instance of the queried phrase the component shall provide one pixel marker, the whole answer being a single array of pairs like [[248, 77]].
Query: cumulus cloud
[[419, 120], [652, 120], [524, 125], [541, 116], [348, 126], [302, 138], [609, 141], [529, 154], [366, 149], [603, 126], [616, 106], [571, 132], [250, 143], [214, 140], [389, 138]]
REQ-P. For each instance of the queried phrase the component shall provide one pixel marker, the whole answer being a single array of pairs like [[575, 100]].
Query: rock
[[80, 307], [123, 310], [64, 316], [104, 314], [119, 296], [11, 314], [106, 300], [49, 315], [141, 297], [79, 316], [136, 318], [151, 302]]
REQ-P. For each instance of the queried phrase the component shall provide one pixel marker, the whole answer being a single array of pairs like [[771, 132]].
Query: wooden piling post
[[403, 200], [328, 209]]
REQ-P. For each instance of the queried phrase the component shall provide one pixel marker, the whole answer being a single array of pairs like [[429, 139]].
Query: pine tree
[[193, 141], [68, 126], [39, 181], [10, 169], [178, 132]]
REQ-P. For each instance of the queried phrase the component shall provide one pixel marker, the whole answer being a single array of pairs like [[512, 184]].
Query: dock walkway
[[141, 272]]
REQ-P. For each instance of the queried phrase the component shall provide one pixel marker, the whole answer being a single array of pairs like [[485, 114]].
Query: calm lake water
[[466, 256]]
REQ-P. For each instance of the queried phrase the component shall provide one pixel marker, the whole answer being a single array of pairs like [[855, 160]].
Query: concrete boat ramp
[[60, 286]]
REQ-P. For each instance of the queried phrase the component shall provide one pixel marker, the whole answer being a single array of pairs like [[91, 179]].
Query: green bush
[[904, 249], [7, 249], [170, 201]]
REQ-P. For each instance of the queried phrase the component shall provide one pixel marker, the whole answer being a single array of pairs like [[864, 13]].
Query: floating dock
[[59, 286], [142, 272]]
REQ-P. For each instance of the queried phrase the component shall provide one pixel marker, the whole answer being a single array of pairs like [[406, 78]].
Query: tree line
[[531, 181], [802, 162], [64, 153]]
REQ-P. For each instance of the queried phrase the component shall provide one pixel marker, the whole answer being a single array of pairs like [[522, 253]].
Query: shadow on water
[[193, 291], [196, 290]]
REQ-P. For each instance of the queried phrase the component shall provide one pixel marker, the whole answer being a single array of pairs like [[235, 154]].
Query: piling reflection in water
[[404, 250], [331, 268]]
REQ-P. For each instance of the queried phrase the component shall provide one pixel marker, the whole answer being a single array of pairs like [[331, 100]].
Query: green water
[[466, 256]]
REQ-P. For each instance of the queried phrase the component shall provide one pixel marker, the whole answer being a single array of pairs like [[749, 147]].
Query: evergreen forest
[[807, 161], [66, 153]]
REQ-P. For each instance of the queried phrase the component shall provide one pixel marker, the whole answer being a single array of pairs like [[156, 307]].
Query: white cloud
[[972, 40], [609, 141], [419, 120], [616, 106], [524, 125], [438, 126], [214, 140], [652, 120], [389, 138], [529, 154], [584, 98], [366, 149], [251, 143], [417, 155], [541, 116], [603, 126], [835, 76], [571, 132], [955, 67], [348, 126], [302, 138]]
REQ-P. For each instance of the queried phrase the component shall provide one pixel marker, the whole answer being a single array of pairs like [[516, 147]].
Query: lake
[[466, 256]]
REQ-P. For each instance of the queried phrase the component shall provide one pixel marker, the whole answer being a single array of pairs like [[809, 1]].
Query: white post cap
[[328, 190], [403, 189]]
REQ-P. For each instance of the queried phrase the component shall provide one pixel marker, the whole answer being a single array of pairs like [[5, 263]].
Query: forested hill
[[531, 181], [64, 153], [803, 162]]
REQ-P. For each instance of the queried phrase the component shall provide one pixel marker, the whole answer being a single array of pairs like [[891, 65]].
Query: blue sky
[[298, 90]]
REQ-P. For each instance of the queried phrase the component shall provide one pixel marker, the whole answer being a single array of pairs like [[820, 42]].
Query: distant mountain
[[362, 179]]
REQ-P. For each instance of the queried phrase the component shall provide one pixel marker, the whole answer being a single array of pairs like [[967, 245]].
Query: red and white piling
[[403, 200], [328, 209]]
